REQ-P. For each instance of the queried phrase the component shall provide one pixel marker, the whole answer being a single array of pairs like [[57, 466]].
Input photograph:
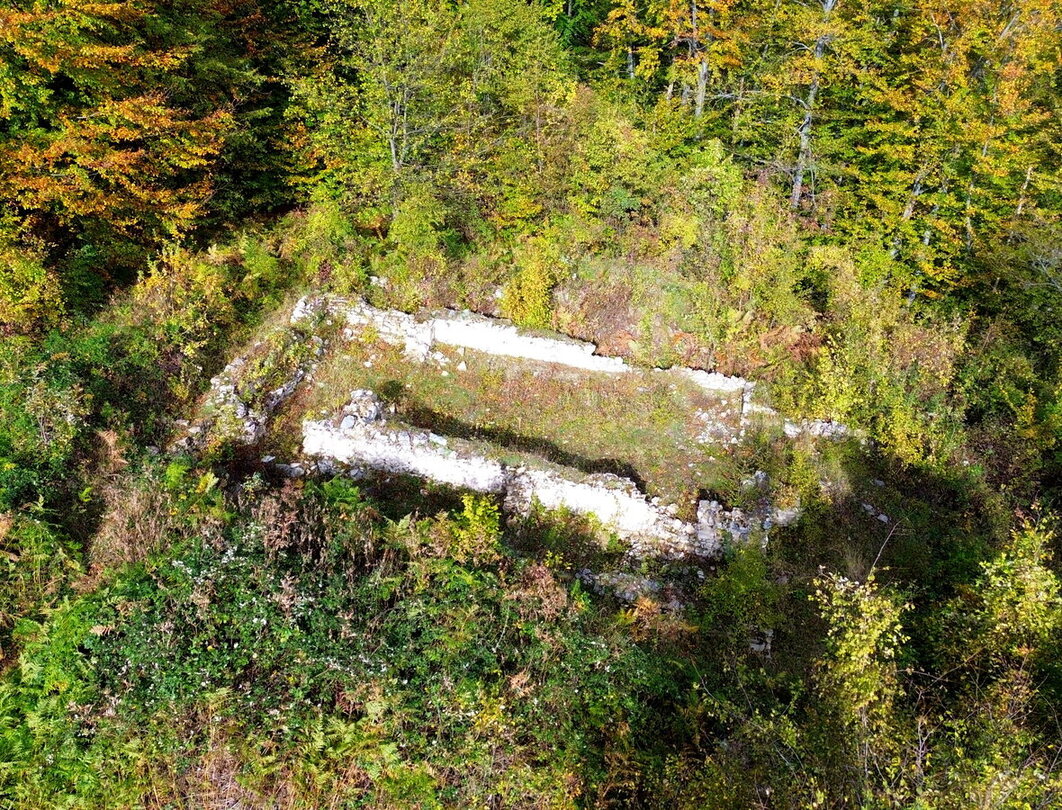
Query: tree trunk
[[916, 192], [1021, 200], [908, 210], [702, 88], [804, 130], [804, 153]]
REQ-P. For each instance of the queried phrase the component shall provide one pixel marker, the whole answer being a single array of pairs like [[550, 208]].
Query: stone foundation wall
[[490, 336], [359, 437], [386, 448]]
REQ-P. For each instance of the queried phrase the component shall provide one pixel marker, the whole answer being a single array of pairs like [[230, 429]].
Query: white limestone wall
[[715, 383], [470, 331], [228, 415], [614, 501], [394, 327], [234, 417], [819, 428], [485, 335], [237, 409], [403, 451], [360, 438]]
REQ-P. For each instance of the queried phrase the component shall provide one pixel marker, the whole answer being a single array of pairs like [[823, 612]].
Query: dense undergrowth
[[291, 646], [342, 656], [856, 206]]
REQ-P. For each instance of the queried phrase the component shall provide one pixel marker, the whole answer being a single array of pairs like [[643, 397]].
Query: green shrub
[[322, 243], [335, 653], [263, 275], [415, 259], [35, 566], [528, 296], [43, 411], [477, 529], [882, 366], [30, 298]]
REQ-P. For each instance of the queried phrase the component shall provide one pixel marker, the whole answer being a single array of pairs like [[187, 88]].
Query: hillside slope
[[520, 404]]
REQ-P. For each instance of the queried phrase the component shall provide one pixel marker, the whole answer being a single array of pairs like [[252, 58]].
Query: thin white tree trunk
[[702, 88], [804, 130]]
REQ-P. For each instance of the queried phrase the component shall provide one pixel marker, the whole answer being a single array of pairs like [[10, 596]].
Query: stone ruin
[[360, 438]]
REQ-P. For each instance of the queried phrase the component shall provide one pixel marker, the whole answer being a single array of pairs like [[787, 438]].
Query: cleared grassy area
[[642, 425]]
